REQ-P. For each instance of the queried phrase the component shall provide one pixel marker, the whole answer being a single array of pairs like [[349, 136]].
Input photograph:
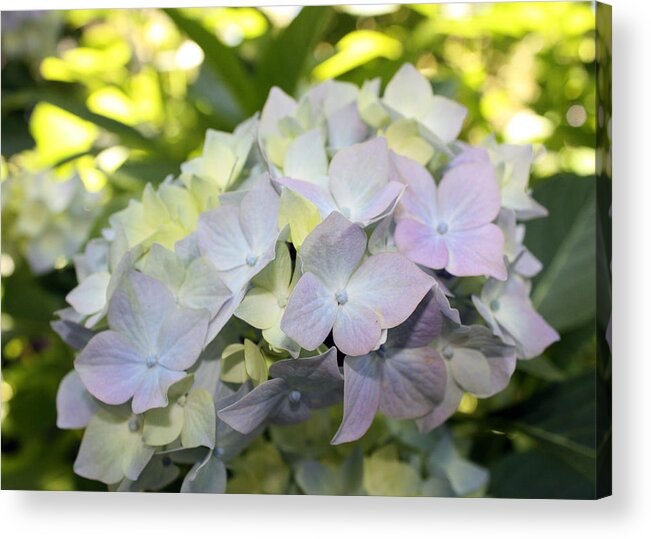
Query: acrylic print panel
[[349, 250]]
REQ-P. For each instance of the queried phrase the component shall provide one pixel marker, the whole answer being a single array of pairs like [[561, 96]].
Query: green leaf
[[537, 474], [566, 244], [562, 420], [287, 56], [222, 60], [543, 368]]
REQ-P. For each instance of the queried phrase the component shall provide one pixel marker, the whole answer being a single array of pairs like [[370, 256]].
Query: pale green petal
[[154, 210], [277, 275], [181, 206], [203, 287], [259, 308], [166, 266], [306, 158], [200, 420], [233, 369], [90, 296], [278, 340], [256, 364], [300, 214], [110, 450], [163, 425], [404, 138], [369, 104]]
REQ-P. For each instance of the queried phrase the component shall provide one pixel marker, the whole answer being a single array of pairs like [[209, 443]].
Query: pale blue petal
[[255, 407], [152, 390], [75, 406], [182, 338], [259, 216], [138, 308], [221, 239], [111, 368], [207, 476]]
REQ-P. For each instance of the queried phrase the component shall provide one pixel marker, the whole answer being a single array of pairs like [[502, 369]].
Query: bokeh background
[[122, 97]]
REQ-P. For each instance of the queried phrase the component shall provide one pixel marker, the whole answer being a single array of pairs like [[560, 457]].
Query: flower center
[[345, 212], [182, 400], [494, 305], [251, 260], [294, 396], [341, 296], [218, 452], [448, 352], [134, 425], [151, 361], [381, 351], [442, 228], [282, 302]]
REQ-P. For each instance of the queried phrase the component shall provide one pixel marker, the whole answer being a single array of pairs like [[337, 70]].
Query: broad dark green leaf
[[562, 420], [564, 293], [542, 367], [223, 61], [288, 55], [536, 474]]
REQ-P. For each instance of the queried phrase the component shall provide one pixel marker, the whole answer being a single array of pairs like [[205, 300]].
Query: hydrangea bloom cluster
[[342, 248], [46, 218]]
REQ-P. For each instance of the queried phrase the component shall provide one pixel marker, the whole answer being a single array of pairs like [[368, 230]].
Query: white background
[[626, 514]]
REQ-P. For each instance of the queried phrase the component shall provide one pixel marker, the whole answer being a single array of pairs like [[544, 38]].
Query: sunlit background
[[122, 97]]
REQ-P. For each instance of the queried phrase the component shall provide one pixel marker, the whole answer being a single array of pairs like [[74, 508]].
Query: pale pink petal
[[391, 285], [420, 198], [357, 329], [333, 250], [357, 173], [468, 196], [379, 206], [420, 243], [310, 312], [477, 251]]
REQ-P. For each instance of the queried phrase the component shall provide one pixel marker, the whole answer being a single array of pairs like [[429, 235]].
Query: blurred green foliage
[[124, 96]]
